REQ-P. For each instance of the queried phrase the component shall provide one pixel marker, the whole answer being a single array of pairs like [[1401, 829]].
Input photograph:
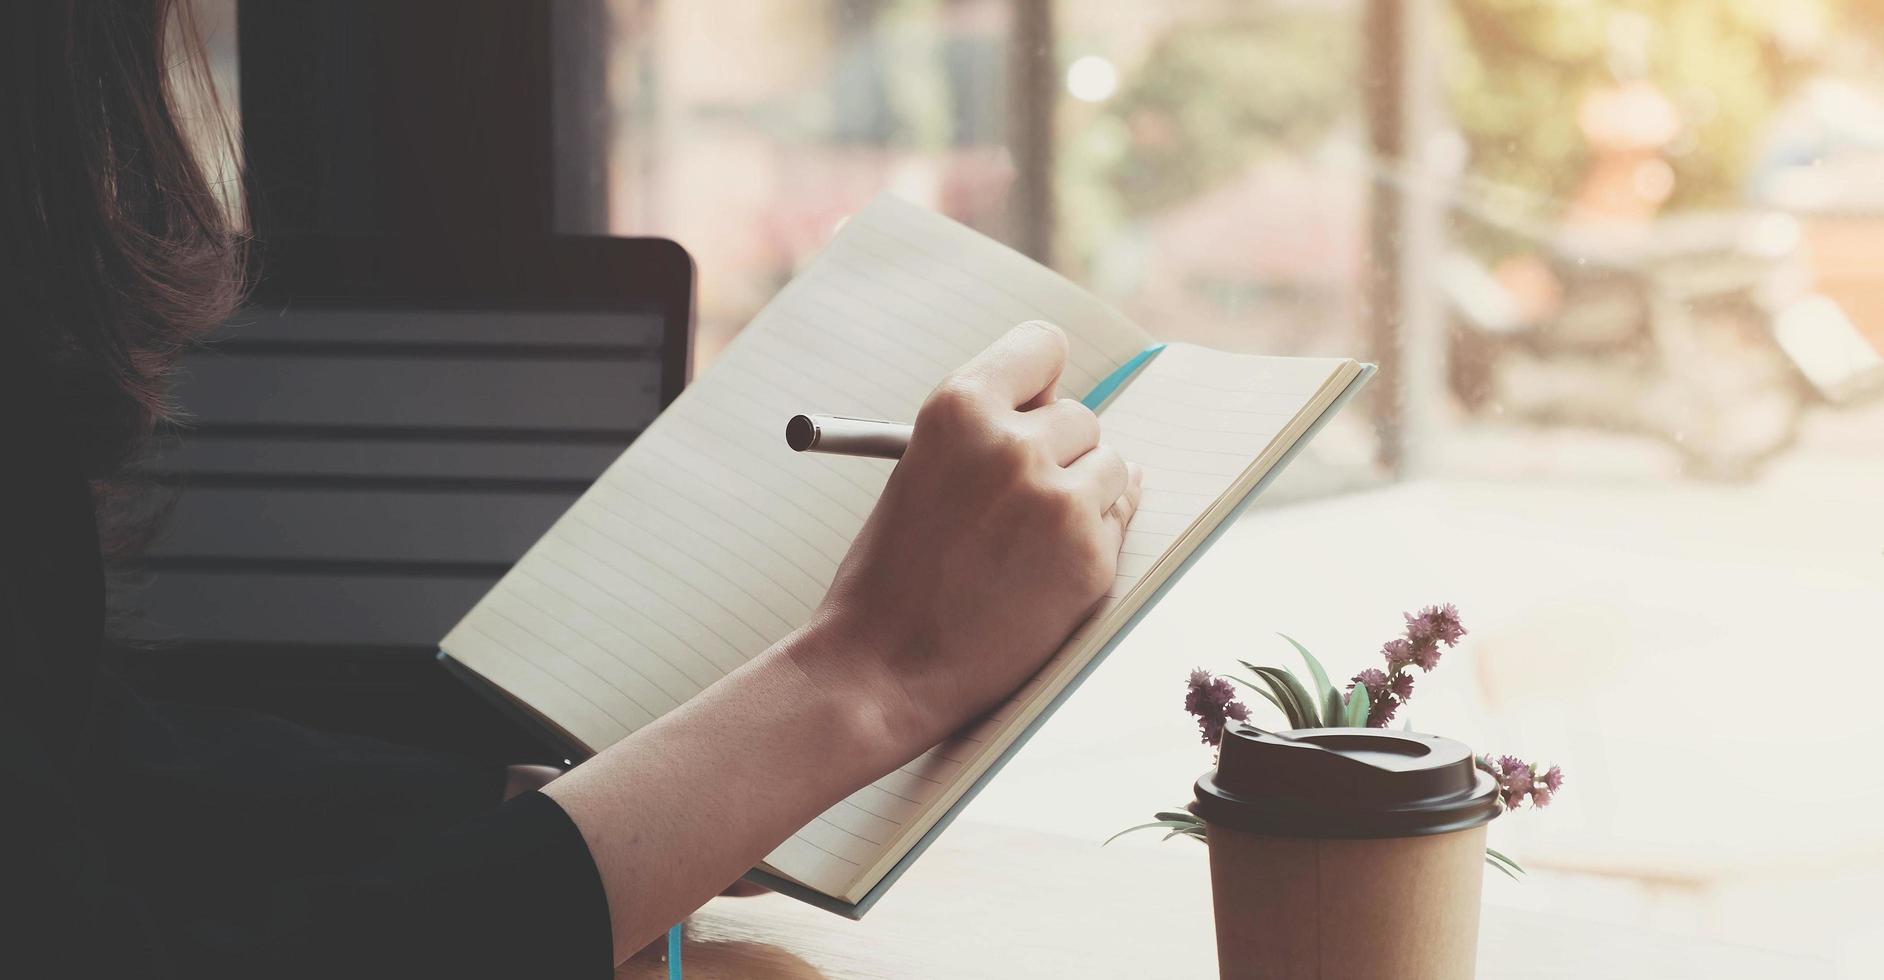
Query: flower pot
[[1345, 853]]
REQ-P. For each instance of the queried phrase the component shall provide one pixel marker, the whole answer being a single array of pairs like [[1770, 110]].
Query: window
[[1619, 259]]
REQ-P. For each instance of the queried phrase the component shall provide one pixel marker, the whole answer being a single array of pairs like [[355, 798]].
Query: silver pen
[[847, 436]]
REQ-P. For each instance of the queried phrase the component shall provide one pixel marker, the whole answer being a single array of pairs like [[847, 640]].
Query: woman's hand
[[997, 533]]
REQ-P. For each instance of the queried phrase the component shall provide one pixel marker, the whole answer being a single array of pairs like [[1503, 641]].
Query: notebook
[[709, 539]]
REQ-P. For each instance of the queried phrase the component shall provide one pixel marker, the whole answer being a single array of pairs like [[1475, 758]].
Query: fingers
[[1119, 515], [1067, 428], [1099, 477], [1022, 368]]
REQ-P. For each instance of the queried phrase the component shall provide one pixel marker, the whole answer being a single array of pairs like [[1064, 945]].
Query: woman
[[152, 841]]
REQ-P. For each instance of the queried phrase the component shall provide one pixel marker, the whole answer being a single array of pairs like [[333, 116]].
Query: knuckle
[[954, 400], [1077, 414], [1068, 513], [1011, 450], [1097, 566]]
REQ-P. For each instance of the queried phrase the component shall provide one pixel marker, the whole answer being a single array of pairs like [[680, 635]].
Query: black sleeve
[[144, 841], [211, 799], [171, 841], [509, 893], [189, 842]]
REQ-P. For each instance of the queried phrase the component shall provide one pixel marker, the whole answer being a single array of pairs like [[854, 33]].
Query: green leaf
[[1507, 871], [1358, 706], [1514, 866], [1407, 726], [1180, 816], [1287, 694], [1143, 826], [1252, 685], [1278, 693], [1322, 687], [1295, 700], [1333, 710], [1294, 711]]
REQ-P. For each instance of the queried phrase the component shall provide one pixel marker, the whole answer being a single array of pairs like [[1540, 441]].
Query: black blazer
[[152, 840]]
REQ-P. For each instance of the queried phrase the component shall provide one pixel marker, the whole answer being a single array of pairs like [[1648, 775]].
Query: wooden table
[[991, 901]]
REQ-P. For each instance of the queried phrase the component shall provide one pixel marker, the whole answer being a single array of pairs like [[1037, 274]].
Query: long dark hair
[[116, 251]]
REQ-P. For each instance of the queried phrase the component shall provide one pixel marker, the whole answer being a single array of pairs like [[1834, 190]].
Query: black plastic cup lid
[[1344, 783]]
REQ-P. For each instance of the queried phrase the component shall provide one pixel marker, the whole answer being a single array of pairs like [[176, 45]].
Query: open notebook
[[709, 539]]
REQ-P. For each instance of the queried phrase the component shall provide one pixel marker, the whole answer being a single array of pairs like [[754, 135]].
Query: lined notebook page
[[1196, 420], [1205, 426], [709, 540]]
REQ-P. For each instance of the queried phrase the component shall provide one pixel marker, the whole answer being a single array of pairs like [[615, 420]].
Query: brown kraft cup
[[1340, 853]]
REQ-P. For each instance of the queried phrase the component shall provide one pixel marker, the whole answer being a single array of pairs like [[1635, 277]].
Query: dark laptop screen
[[359, 476]]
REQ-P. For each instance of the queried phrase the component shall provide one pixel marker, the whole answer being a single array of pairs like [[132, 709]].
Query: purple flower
[[1211, 729], [1516, 785], [1213, 701], [1402, 687], [1435, 624], [1206, 693], [1375, 680], [1519, 780], [1546, 788], [1380, 707], [1398, 652], [1425, 631]]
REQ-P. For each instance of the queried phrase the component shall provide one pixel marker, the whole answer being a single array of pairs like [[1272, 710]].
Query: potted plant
[[1340, 848]]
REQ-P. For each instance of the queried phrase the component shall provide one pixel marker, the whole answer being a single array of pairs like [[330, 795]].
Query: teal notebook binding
[[1111, 383], [1097, 397]]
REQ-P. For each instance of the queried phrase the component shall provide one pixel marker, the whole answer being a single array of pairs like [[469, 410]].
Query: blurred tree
[[1212, 96], [1219, 89], [1521, 70]]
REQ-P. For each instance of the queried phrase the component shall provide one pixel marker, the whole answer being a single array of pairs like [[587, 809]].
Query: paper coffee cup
[[1340, 853]]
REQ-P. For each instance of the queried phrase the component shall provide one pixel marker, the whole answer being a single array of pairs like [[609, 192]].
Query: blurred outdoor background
[[1621, 263]]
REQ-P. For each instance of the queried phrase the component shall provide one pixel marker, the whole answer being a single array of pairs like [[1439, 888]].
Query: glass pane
[[832, 103]]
